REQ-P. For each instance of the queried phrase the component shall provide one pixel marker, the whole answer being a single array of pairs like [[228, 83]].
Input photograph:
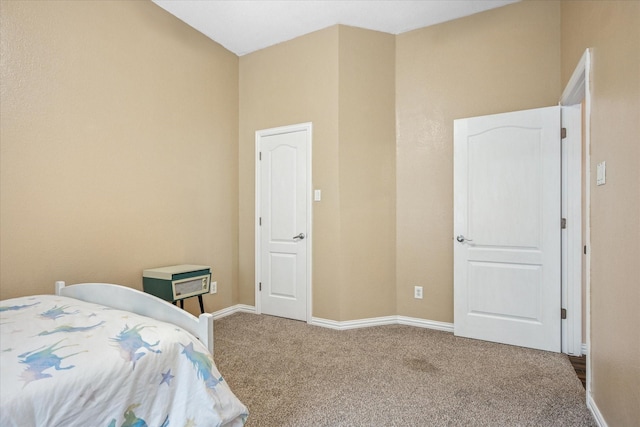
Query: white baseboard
[[591, 404], [238, 308], [353, 324], [381, 321], [424, 323]]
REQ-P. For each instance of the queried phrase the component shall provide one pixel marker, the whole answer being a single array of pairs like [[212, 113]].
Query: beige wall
[[612, 29], [294, 82], [118, 147], [366, 173], [342, 80], [502, 60]]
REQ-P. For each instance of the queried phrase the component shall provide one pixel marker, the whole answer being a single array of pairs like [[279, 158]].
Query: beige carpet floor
[[291, 374]]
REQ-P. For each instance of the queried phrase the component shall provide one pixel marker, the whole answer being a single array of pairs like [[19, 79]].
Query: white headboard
[[129, 299]]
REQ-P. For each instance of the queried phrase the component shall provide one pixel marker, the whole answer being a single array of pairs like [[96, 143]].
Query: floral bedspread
[[65, 362]]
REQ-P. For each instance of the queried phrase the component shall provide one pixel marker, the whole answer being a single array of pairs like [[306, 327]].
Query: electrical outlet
[[213, 287], [417, 292]]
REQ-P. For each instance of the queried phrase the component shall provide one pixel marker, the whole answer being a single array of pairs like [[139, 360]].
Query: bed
[[98, 354]]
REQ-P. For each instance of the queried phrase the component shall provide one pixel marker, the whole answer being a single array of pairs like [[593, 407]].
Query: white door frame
[[571, 253], [578, 90], [308, 127]]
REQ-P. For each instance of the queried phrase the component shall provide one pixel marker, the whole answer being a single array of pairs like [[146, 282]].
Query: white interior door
[[283, 224], [507, 228]]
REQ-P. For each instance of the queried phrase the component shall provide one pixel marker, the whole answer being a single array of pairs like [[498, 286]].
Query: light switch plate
[[213, 287], [601, 173], [317, 195]]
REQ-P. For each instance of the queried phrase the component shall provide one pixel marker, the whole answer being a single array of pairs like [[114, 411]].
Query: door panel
[[509, 291], [504, 173], [507, 228], [281, 173], [282, 273]]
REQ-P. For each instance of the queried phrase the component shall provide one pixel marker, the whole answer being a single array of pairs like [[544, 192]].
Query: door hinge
[[563, 223], [260, 221], [259, 155], [260, 286], [563, 133], [585, 249], [563, 313]]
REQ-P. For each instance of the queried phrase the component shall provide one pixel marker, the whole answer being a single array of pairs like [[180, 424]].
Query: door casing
[[577, 91], [571, 254]]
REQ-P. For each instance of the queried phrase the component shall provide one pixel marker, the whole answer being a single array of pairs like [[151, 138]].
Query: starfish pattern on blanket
[[167, 377]]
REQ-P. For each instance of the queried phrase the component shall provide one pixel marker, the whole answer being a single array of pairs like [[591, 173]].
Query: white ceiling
[[244, 26]]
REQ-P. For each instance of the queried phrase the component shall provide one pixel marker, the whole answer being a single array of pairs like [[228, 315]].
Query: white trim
[[575, 92], [424, 323], [308, 127], [238, 308], [256, 220], [353, 324], [382, 321], [579, 89], [572, 234], [597, 415], [575, 89], [584, 349], [587, 203]]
